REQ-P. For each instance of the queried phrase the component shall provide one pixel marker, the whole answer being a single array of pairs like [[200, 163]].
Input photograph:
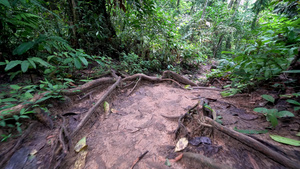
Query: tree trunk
[[236, 7], [73, 23], [216, 49], [203, 13], [178, 3], [228, 43]]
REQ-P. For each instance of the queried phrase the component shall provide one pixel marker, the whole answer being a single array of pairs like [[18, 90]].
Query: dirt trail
[[136, 126]]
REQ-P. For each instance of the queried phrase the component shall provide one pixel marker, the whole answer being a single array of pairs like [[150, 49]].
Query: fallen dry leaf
[[181, 144]]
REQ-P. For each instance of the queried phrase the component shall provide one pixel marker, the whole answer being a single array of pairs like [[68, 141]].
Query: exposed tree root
[[87, 86], [90, 112], [134, 87], [63, 141], [17, 145], [255, 145], [204, 161], [205, 121]]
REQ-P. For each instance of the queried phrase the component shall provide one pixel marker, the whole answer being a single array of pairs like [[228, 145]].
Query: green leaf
[[298, 134], [2, 63], [12, 64], [80, 145], [272, 118], [67, 60], [16, 117], [31, 62], [251, 131], [28, 95], [16, 87], [268, 98], [292, 71], [43, 99], [5, 3], [296, 108], [24, 66], [167, 163], [2, 123], [83, 60], [9, 100], [261, 110], [293, 102], [284, 114], [77, 63], [41, 61], [24, 47], [285, 140], [24, 117]]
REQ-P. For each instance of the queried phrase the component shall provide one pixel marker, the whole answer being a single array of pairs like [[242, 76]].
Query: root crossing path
[[142, 123], [137, 135], [136, 127]]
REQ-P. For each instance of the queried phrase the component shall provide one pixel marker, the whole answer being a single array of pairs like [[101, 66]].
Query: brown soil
[[136, 126]]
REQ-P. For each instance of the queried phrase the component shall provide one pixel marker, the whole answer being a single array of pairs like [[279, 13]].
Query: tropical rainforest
[[49, 48]]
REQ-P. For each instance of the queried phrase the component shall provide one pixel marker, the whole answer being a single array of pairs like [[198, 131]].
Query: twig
[[138, 159], [17, 145], [90, 112], [88, 94], [256, 145], [134, 86]]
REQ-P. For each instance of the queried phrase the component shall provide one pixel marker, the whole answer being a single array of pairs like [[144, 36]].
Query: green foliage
[[21, 94], [285, 140], [294, 102], [273, 114], [132, 64], [268, 98]]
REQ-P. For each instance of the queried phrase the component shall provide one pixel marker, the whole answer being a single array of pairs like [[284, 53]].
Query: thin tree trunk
[[230, 4], [235, 11], [178, 3], [218, 45], [73, 22], [204, 9]]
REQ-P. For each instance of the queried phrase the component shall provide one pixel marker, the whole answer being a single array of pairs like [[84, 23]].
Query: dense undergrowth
[[50, 44]]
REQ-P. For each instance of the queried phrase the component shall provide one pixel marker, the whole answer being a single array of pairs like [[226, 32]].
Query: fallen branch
[[17, 145], [90, 112], [255, 145]]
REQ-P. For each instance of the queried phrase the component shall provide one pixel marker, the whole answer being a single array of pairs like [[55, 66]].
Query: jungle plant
[[272, 115]]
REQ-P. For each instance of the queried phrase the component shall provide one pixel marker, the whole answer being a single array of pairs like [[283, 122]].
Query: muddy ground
[[136, 125]]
